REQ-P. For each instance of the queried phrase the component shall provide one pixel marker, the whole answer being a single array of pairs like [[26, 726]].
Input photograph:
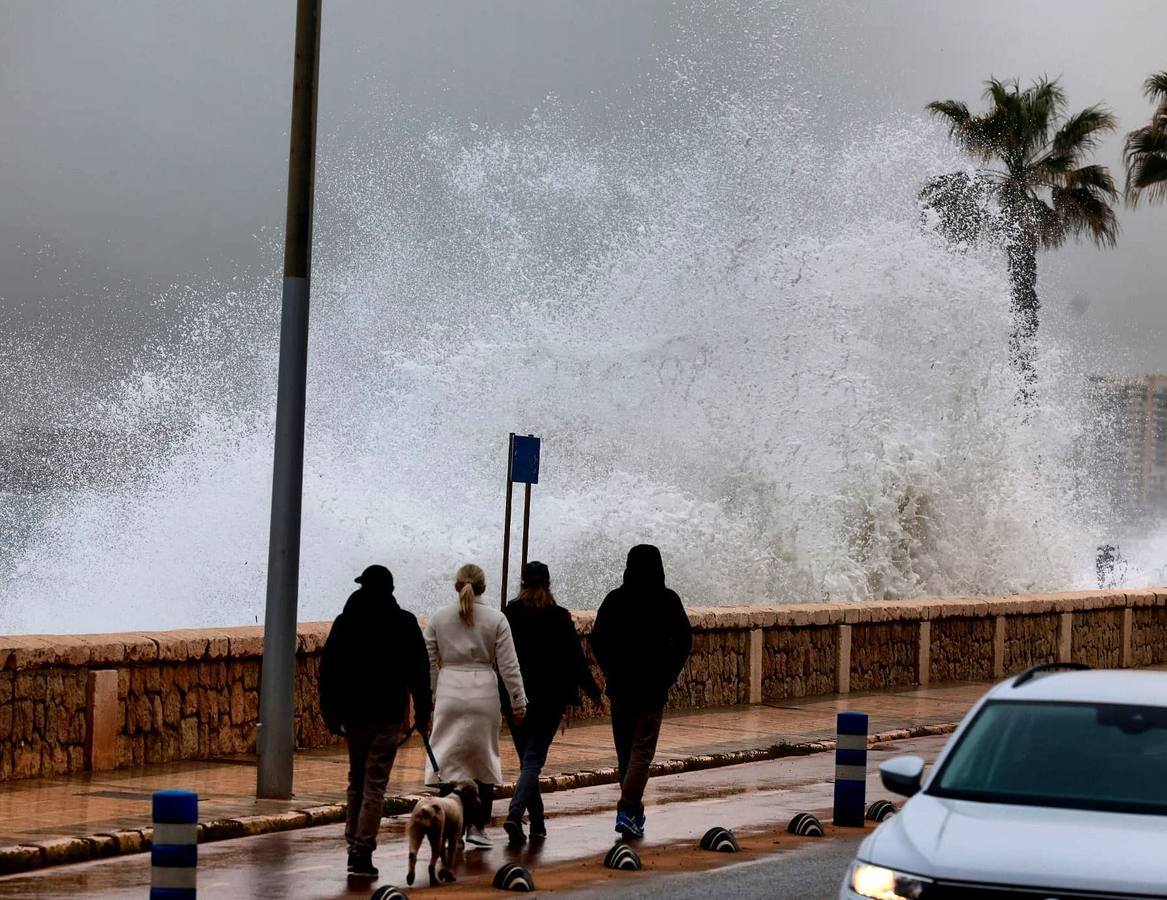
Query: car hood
[[1024, 846]]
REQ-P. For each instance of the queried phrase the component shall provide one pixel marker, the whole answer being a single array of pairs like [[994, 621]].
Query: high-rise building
[[1132, 440]]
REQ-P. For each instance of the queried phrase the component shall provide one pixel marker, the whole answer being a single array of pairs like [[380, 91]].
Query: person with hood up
[[554, 672], [373, 660], [466, 641], [641, 639]]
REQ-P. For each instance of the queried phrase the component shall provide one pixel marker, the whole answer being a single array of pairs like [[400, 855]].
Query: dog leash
[[430, 753]]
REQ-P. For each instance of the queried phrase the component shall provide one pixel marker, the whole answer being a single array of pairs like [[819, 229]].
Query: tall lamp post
[[275, 738]]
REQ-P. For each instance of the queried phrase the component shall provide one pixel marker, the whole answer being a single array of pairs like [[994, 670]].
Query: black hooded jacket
[[642, 636], [373, 659]]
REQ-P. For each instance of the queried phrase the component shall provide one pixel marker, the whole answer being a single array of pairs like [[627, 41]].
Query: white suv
[[1054, 787]]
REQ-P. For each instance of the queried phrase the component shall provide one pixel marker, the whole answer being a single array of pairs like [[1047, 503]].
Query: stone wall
[[194, 694], [1149, 636], [799, 662], [961, 649], [884, 655], [715, 674], [1030, 640], [1096, 634]]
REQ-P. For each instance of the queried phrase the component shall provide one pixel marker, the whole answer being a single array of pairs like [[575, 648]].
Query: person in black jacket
[[554, 672], [374, 658], [641, 639]]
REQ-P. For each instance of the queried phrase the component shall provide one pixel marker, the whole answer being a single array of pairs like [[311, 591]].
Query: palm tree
[[1032, 190], [1145, 152]]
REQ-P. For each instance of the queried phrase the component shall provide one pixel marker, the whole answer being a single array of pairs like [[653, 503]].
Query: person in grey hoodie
[[641, 639]]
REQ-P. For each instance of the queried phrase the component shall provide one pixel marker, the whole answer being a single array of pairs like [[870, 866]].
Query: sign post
[[506, 523], [522, 467]]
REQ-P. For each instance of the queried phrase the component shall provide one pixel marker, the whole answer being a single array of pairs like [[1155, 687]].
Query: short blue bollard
[[174, 853], [850, 769]]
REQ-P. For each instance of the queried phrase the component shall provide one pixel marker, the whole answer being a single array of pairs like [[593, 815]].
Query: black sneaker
[[514, 830], [538, 830], [360, 865]]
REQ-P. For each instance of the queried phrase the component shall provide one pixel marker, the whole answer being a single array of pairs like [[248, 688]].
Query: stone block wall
[[961, 649], [1030, 640], [799, 662], [1096, 637], [715, 674], [884, 655], [1149, 636], [194, 694], [43, 713]]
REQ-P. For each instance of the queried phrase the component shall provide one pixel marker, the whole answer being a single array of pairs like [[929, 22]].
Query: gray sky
[[143, 143]]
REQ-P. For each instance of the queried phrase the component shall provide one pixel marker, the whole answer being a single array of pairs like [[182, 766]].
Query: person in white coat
[[466, 642]]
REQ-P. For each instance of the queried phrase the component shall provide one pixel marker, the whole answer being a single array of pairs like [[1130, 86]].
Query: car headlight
[[879, 883]]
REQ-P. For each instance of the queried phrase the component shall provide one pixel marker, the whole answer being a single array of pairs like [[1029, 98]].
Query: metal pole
[[275, 740], [506, 527], [526, 519]]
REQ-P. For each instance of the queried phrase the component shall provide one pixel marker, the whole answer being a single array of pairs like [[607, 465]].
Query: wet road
[[811, 872], [310, 863]]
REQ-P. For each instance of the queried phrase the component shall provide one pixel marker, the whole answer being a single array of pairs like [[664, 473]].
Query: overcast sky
[[144, 142]]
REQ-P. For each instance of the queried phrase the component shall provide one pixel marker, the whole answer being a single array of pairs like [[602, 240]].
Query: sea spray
[[739, 341]]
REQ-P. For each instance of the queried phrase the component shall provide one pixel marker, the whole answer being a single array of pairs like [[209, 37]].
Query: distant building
[[1132, 440]]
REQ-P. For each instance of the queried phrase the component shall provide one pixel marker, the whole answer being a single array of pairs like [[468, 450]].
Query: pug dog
[[442, 820]]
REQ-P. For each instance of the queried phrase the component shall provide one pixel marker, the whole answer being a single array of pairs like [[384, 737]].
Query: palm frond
[[1086, 211], [1094, 178], [956, 112], [1038, 106], [1145, 156], [1036, 217], [1000, 93], [1049, 169], [1155, 87], [975, 134], [1082, 131]]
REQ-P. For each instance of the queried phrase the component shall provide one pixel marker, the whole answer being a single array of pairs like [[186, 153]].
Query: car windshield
[[1097, 756]]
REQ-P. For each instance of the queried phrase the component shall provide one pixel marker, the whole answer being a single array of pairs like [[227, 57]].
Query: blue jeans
[[532, 741]]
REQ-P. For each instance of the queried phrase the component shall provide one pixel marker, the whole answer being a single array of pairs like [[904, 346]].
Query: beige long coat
[[467, 714]]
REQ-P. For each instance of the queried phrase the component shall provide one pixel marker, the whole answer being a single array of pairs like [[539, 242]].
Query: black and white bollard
[[850, 769], [174, 853], [513, 877], [388, 892]]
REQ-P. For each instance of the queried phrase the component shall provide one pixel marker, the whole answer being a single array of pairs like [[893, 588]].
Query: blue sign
[[525, 459]]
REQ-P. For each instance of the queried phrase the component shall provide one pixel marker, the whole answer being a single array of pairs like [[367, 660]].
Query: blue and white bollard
[[850, 769], [174, 854]]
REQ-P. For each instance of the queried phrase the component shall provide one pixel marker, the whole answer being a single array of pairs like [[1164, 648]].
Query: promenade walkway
[[41, 821]]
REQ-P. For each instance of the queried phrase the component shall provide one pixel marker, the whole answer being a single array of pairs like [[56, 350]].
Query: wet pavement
[[41, 809], [809, 872], [755, 800]]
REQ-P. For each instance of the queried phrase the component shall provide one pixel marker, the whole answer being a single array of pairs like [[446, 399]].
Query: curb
[[61, 851]]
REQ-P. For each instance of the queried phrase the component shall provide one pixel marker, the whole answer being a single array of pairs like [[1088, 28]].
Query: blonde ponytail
[[469, 582]]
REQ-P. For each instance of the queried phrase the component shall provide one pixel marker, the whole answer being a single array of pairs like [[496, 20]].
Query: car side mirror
[[902, 775]]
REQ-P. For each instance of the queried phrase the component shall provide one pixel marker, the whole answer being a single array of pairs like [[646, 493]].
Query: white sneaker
[[476, 837]]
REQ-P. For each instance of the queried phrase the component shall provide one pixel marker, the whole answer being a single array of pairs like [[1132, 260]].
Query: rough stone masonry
[[69, 703]]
